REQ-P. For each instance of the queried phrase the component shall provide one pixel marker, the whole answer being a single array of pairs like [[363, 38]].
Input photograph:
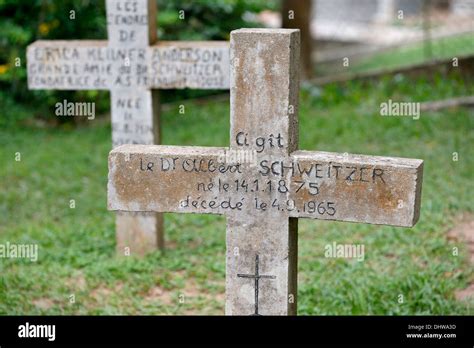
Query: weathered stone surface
[[127, 60], [160, 178], [131, 23], [130, 64], [136, 233], [264, 102], [202, 65], [135, 120], [355, 188], [86, 65], [262, 183], [134, 108], [134, 117]]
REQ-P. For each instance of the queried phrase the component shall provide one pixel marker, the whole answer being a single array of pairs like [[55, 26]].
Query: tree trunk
[[297, 14]]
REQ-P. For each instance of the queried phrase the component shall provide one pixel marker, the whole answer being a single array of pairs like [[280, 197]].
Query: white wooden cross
[[131, 64], [264, 192]]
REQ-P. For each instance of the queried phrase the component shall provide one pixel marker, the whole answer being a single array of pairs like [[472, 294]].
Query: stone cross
[[131, 65], [262, 183]]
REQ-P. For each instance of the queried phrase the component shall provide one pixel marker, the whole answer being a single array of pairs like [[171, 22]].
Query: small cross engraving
[[257, 277]]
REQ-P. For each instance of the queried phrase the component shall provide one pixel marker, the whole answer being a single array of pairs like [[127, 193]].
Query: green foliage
[[209, 19], [24, 21]]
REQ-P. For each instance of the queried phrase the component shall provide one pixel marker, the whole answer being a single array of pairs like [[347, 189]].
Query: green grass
[[77, 246], [443, 48]]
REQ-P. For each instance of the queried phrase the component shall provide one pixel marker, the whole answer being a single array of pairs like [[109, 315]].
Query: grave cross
[[131, 65], [262, 184]]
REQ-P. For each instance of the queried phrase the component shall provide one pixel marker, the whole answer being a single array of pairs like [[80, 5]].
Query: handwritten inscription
[[317, 185], [261, 143], [198, 165], [337, 171], [287, 186], [128, 22], [93, 65], [129, 126]]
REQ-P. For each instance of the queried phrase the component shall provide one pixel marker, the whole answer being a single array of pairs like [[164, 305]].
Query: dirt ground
[[463, 232]]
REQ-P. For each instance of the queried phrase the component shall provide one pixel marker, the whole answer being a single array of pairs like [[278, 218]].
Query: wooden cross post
[[132, 66], [262, 184]]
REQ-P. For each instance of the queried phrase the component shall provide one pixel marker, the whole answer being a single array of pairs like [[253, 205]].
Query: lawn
[[443, 48], [77, 246]]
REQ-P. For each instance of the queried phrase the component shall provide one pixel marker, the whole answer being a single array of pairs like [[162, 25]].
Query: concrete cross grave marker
[[262, 198], [131, 64]]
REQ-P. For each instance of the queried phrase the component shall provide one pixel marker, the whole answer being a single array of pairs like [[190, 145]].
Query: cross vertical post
[[264, 105], [135, 112]]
